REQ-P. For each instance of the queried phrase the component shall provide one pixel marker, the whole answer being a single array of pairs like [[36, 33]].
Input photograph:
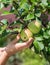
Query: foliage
[[24, 12]]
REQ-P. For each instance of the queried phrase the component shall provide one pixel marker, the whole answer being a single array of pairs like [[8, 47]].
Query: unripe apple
[[34, 26], [25, 34]]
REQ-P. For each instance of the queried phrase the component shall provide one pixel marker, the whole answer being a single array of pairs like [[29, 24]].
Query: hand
[[14, 47], [3, 53]]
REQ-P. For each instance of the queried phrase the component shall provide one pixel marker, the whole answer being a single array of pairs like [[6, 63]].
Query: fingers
[[24, 44], [21, 46], [18, 37], [29, 41], [15, 40], [13, 48]]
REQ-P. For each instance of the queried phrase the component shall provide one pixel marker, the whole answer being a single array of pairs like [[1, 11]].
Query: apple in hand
[[26, 34]]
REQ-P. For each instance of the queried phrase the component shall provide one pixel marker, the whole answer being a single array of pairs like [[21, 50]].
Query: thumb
[[30, 40]]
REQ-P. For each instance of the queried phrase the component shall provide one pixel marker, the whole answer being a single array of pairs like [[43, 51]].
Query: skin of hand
[[12, 48]]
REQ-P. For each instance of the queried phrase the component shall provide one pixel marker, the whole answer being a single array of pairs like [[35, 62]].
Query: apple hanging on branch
[[33, 28]]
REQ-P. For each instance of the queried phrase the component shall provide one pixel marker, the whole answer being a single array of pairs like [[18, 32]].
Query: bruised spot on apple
[[34, 26], [26, 34]]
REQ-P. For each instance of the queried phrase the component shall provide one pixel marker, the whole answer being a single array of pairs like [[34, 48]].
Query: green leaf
[[3, 28], [1, 5], [44, 2], [29, 16], [25, 6], [22, 2], [24, 13], [40, 38], [5, 12], [48, 32], [38, 14], [4, 21], [49, 44], [34, 1], [49, 50], [6, 1], [45, 35], [38, 45]]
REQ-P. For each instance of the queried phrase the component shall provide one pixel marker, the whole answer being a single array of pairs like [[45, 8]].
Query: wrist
[[3, 57], [8, 51], [6, 54]]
